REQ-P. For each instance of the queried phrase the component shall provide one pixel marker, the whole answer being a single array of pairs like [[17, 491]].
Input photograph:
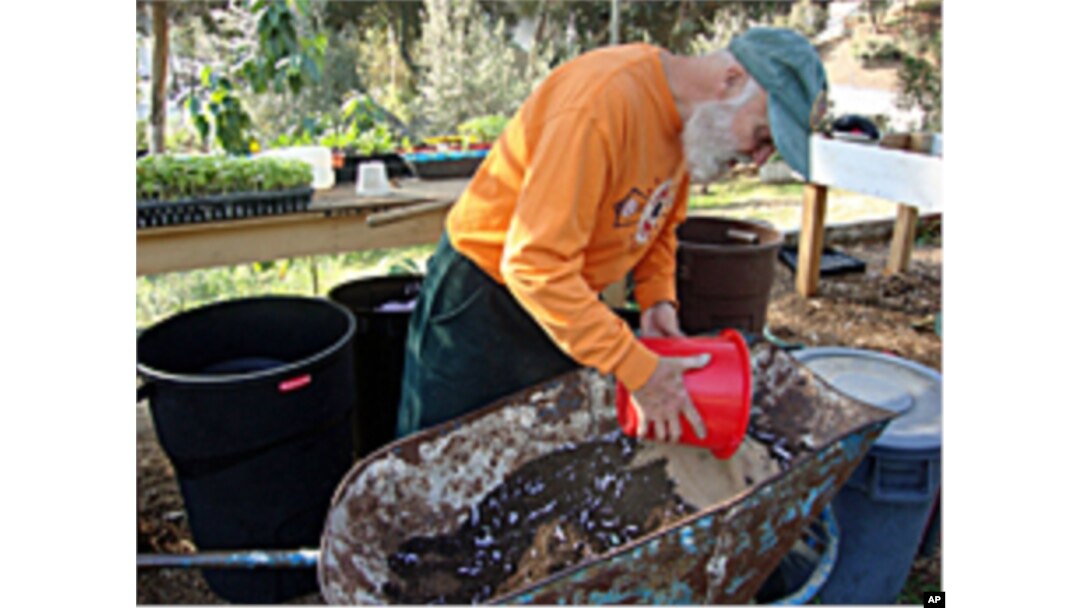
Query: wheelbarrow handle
[[243, 560]]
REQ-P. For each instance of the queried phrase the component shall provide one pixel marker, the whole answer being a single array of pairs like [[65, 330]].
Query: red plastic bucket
[[721, 390]]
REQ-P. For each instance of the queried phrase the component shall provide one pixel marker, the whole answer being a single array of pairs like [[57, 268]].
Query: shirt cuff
[[648, 295], [637, 366]]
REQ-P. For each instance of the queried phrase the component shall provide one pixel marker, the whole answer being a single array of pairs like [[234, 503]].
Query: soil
[[868, 310], [568, 506], [893, 314], [539, 521]]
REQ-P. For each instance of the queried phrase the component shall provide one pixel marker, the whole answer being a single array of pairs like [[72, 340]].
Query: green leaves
[[921, 87], [359, 126], [163, 178], [484, 128], [283, 59]]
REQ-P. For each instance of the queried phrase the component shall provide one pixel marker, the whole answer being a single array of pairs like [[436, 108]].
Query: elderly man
[[588, 183]]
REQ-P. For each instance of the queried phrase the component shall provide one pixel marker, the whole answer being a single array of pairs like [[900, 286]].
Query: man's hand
[[664, 398], [661, 321]]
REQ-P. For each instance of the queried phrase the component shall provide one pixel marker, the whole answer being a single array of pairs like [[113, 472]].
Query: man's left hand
[[661, 321]]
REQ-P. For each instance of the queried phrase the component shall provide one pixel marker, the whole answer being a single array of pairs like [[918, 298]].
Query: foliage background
[[392, 73]]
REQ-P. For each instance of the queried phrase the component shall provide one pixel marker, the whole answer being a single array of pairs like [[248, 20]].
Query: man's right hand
[[663, 398]]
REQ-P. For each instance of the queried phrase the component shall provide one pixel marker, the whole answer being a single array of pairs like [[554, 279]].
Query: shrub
[[876, 50], [920, 87], [470, 68], [484, 129]]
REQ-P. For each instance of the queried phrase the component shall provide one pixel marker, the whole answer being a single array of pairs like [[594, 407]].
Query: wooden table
[[910, 178], [338, 221]]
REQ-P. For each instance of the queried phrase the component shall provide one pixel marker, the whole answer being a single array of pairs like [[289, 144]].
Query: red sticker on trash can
[[295, 383]]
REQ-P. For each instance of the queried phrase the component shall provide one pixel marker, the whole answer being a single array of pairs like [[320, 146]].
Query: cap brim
[[791, 137]]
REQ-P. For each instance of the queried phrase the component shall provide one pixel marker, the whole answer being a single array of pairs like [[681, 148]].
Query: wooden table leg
[[811, 239], [907, 218]]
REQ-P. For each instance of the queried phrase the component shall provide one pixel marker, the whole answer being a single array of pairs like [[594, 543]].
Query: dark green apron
[[469, 344]]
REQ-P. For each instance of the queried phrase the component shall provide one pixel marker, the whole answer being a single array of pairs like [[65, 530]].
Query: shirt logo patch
[[655, 210], [626, 208]]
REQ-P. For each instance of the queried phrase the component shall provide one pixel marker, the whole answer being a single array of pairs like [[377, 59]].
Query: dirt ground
[[869, 310], [894, 313]]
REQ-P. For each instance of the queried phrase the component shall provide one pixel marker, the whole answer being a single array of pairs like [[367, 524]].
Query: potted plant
[[354, 147], [450, 156], [481, 132], [190, 189]]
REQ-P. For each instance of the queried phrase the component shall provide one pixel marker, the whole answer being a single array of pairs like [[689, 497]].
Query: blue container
[[799, 576], [885, 507], [932, 537]]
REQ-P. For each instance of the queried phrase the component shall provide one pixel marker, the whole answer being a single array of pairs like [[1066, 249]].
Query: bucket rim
[[926, 443], [775, 240], [222, 379], [748, 381], [339, 290]]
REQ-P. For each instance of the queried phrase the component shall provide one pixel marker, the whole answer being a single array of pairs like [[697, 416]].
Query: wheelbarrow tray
[[427, 483]]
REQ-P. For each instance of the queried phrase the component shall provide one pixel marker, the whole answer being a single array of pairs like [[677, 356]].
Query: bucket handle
[[883, 472]]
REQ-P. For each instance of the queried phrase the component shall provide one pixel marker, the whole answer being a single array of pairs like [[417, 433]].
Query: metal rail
[[301, 558]]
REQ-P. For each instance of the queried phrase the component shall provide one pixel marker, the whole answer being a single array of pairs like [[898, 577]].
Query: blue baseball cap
[[787, 66]]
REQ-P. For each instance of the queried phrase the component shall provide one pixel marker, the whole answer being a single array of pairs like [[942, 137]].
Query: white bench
[[912, 179]]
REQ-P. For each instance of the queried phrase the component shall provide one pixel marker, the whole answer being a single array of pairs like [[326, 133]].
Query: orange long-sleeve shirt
[[586, 183]]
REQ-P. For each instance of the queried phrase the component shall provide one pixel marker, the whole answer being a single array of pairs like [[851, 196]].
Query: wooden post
[[811, 239], [159, 77], [907, 219]]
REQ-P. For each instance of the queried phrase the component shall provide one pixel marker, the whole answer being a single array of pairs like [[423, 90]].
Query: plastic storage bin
[[885, 507]]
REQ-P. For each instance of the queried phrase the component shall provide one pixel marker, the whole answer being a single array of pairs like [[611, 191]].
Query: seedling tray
[[833, 262], [444, 165], [222, 207]]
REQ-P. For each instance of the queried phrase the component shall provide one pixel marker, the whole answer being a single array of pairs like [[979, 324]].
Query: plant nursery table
[[338, 221], [910, 178]]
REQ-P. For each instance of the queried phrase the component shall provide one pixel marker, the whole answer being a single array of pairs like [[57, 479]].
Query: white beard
[[709, 142], [708, 137]]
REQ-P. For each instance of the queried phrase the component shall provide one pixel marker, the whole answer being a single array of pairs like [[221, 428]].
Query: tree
[[317, 105], [470, 67], [676, 25], [921, 87], [735, 18], [807, 17], [261, 46], [403, 18], [877, 9]]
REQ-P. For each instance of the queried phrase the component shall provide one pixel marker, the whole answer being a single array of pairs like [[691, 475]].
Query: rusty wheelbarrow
[[423, 511]]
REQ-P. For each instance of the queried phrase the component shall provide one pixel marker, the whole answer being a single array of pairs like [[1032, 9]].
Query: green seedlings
[[167, 178]]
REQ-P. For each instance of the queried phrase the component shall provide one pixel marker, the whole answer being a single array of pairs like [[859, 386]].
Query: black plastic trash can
[[382, 306], [251, 401]]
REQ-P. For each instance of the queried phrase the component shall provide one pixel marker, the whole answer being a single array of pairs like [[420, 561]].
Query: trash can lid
[[888, 382]]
